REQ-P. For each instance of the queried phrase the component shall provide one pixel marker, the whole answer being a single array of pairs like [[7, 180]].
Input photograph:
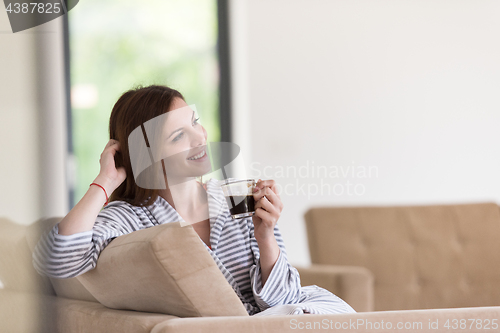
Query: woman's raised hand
[[268, 208], [109, 176]]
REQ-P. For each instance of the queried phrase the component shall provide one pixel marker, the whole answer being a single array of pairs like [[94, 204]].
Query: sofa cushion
[[26, 312], [164, 269], [16, 270], [68, 288], [367, 322], [79, 316], [431, 256]]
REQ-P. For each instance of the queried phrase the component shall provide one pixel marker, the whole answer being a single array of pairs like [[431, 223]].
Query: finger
[[265, 204], [109, 151], [275, 190], [114, 147], [268, 206], [268, 183], [267, 192], [264, 216], [265, 183], [274, 198], [112, 142]]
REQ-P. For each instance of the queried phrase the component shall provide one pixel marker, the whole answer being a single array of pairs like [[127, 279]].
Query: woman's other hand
[[109, 176], [268, 208]]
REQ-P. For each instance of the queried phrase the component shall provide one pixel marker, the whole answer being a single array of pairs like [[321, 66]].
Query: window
[[117, 45]]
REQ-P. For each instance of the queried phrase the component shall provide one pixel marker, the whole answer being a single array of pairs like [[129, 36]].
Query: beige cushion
[[16, 268], [26, 312], [164, 269], [417, 321], [353, 284], [79, 316], [68, 288], [421, 256]]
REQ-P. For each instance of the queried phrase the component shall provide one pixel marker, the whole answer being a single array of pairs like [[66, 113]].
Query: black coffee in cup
[[240, 205], [239, 197]]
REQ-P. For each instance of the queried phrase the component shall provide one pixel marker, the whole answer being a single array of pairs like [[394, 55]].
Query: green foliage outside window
[[117, 45]]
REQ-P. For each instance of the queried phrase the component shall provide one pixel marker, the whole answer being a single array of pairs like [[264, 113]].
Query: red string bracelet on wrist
[[106, 194]]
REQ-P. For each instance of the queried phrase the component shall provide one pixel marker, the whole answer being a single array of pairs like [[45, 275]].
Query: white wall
[[32, 122], [19, 195], [409, 88]]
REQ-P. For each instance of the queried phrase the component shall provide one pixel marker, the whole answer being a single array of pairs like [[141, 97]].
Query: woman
[[250, 252]]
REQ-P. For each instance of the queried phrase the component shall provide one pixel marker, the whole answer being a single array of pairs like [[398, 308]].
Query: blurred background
[[343, 103]]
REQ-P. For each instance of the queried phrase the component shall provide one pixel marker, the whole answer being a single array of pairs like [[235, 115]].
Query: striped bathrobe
[[233, 248]]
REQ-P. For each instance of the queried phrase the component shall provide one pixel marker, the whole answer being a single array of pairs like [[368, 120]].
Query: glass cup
[[239, 197]]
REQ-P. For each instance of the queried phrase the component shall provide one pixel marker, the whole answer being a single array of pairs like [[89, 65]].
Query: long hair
[[133, 109]]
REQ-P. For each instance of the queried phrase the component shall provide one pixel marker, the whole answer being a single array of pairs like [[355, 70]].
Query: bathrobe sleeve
[[67, 256], [282, 285]]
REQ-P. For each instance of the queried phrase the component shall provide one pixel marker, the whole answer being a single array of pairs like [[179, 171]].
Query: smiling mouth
[[198, 156]]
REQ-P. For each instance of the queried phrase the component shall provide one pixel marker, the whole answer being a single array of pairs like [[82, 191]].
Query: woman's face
[[184, 143]]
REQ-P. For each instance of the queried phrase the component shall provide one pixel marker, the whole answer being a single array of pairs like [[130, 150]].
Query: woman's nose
[[198, 138]]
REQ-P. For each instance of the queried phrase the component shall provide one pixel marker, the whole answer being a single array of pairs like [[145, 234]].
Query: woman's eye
[[177, 137]]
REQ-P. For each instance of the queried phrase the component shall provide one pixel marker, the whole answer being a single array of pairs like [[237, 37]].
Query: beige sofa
[[422, 257], [32, 303]]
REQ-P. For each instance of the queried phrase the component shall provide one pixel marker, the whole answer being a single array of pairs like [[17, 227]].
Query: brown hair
[[132, 109]]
